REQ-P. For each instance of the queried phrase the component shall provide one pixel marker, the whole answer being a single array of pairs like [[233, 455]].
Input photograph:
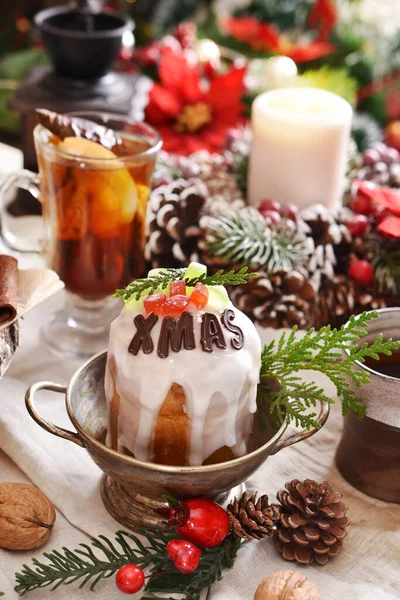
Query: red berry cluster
[[200, 522], [273, 212], [178, 301]]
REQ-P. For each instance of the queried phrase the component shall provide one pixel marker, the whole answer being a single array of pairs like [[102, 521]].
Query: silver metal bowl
[[130, 486]]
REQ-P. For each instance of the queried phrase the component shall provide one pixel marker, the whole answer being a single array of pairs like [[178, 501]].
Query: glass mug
[[94, 213]]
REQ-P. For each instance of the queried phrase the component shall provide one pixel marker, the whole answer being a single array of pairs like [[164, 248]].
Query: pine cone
[[312, 522], [332, 240], [173, 223], [335, 301], [252, 517], [283, 299]]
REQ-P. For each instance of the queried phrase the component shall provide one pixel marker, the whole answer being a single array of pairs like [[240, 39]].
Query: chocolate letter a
[[175, 333], [211, 333], [142, 336]]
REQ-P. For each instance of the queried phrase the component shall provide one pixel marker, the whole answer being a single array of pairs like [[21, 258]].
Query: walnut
[[287, 585], [26, 516]]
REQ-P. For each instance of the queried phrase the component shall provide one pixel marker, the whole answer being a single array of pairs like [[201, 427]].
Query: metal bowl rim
[[149, 466]]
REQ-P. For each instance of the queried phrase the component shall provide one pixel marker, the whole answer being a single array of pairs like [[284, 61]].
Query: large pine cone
[[173, 223], [283, 299], [312, 522], [251, 518]]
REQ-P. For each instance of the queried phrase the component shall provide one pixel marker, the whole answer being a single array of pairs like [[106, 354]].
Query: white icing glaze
[[220, 388]]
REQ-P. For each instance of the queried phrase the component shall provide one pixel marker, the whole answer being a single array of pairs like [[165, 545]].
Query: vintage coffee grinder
[[82, 41]]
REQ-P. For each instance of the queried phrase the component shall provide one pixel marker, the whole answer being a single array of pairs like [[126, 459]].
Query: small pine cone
[[335, 301], [252, 518], [173, 223], [312, 522], [283, 299], [221, 183]]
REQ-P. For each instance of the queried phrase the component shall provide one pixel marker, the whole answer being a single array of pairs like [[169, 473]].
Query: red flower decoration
[[389, 199], [262, 36], [188, 116], [323, 15]]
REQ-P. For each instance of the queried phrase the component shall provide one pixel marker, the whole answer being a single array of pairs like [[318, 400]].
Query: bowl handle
[[305, 433], [36, 416]]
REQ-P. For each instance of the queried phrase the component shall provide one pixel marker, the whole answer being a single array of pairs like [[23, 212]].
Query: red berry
[[129, 579], [266, 205], [358, 225], [206, 523], [178, 287], [290, 211], [361, 271], [155, 303], [175, 305], [199, 296], [185, 555], [272, 217]]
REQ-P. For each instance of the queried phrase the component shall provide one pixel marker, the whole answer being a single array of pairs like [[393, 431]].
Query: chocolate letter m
[[175, 333]]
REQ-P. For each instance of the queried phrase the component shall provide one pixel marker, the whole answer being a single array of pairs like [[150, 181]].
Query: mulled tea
[[94, 207], [387, 365]]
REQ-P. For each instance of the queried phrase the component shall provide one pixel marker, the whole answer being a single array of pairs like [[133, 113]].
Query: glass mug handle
[[23, 233]]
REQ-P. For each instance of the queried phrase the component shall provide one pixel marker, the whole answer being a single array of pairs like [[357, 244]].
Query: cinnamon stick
[[8, 288], [67, 126]]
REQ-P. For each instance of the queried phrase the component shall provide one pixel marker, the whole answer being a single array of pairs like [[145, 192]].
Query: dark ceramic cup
[[368, 455]]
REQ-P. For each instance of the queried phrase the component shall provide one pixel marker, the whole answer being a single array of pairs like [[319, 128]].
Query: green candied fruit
[[195, 270], [217, 297]]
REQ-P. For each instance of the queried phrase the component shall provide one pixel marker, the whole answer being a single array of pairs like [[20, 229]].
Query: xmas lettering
[[177, 334]]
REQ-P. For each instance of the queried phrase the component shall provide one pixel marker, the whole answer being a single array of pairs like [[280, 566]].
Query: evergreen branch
[[332, 352], [152, 285], [386, 264], [243, 238], [88, 565]]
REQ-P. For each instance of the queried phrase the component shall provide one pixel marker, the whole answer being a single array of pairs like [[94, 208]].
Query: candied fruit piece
[[175, 305], [84, 148], [104, 209], [178, 287], [199, 296], [155, 303]]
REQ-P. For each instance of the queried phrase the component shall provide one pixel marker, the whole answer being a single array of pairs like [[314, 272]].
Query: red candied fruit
[[155, 303], [175, 305], [199, 295], [178, 287]]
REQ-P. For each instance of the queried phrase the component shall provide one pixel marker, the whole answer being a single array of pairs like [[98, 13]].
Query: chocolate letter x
[[142, 336]]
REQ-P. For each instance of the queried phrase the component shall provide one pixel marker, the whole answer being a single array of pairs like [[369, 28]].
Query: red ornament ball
[[185, 555], [266, 206], [205, 523], [361, 271], [129, 579]]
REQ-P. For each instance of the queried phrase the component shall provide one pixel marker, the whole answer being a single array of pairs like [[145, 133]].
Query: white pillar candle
[[300, 146]]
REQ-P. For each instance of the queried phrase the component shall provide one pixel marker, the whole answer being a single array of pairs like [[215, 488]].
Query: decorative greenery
[[332, 352], [334, 80], [386, 263], [243, 238], [141, 287], [83, 565], [365, 131]]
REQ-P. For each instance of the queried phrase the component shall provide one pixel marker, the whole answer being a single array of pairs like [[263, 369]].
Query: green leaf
[[17, 64], [332, 352], [243, 238], [151, 285], [89, 565]]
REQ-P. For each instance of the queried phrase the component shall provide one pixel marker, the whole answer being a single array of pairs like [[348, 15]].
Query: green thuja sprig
[[332, 352], [89, 565], [152, 285]]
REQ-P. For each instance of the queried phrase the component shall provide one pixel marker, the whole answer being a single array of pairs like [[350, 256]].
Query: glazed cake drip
[[220, 388]]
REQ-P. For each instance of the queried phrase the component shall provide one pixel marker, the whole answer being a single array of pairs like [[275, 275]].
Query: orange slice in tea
[[85, 148]]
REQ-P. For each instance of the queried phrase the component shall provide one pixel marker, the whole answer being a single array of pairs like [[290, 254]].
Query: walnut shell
[[26, 516], [287, 585]]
